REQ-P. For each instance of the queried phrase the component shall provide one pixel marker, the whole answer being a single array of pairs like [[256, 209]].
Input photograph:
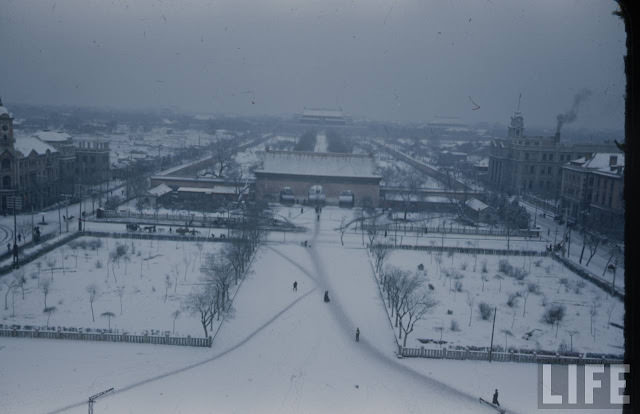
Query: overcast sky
[[405, 60]]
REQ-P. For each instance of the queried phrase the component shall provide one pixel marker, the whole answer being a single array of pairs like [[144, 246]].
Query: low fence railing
[[413, 228], [469, 250], [483, 355], [107, 337], [591, 277]]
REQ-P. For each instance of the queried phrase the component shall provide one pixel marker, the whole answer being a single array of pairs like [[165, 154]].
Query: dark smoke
[[572, 113]]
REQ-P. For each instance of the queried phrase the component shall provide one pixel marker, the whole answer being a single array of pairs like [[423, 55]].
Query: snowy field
[[281, 352], [139, 279], [462, 281]]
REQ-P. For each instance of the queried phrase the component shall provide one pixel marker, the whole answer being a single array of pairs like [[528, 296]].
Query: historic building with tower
[[520, 164]]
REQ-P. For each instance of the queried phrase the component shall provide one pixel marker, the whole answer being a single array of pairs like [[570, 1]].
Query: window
[[6, 164], [6, 181]]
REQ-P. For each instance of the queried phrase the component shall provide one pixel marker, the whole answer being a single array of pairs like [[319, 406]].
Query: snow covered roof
[[4, 111], [601, 162], [320, 164], [26, 145], [52, 136], [195, 190], [323, 113], [476, 205], [159, 190]]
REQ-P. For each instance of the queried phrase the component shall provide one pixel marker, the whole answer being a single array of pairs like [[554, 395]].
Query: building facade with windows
[[592, 192], [520, 164], [29, 167]]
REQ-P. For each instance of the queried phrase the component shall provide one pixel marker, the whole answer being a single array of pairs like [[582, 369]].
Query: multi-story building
[[592, 191], [42, 166], [520, 164], [29, 167]]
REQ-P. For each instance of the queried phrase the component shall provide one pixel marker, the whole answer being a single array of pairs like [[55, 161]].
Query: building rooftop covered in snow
[[322, 117], [334, 172]]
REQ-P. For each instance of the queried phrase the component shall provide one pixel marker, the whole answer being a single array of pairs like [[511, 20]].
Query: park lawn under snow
[[142, 273], [556, 285]]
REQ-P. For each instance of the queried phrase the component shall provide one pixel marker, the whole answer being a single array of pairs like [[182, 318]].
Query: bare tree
[[203, 303], [50, 310], [413, 184], [20, 280], [108, 315], [45, 286], [10, 287], [470, 301], [380, 252], [175, 315], [167, 286], [507, 333], [92, 290], [120, 291], [416, 307]]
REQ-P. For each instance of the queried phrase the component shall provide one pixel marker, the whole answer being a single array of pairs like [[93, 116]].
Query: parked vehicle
[[346, 199], [286, 195], [316, 194]]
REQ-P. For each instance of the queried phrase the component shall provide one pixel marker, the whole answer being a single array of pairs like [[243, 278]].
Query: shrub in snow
[[454, 325], [431, 287], [505, 267], [420, 267], [533, 288], [538, 262], [513, 299], [485, 311], [98, 264], [519, 273], [564, 281], [458, 286], [554, 314], [463, 266], [449, 312], [484, 266]]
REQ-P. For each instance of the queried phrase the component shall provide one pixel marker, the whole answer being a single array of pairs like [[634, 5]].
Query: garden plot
[[540, 304], [132, 285]]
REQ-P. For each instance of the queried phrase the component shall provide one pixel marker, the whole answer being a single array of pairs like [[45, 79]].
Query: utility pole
[[492, 330], [93, 398]]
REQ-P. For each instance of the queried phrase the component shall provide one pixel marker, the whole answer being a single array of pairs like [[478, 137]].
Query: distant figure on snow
[[301, 210], [326, 296], [357, 334], [495, 398], [295, 286]]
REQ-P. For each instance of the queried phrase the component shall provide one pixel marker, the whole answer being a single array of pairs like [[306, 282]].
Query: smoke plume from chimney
[[572, 113]]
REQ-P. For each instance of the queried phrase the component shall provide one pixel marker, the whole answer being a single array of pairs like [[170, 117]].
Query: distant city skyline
[[407, 61]]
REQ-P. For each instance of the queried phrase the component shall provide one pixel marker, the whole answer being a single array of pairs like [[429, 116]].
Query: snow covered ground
[[283, 351], [141, 273], [553, 283]]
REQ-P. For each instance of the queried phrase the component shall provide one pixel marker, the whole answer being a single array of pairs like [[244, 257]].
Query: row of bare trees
[[211, 300]]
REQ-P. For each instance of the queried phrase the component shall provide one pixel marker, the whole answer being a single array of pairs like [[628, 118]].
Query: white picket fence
[[540, 358], [107, 337]]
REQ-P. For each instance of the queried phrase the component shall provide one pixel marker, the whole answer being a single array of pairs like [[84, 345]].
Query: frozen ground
[[555, 285], [283, 351], [141, 272]]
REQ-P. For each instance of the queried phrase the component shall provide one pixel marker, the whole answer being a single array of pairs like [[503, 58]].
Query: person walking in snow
[[357, 334], [295, 286], [495, 398], [326, 296]]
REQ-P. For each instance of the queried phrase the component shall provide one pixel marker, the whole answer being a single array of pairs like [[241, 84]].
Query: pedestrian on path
[[357, 334], [495, 398], [326, 296], [295, 286]]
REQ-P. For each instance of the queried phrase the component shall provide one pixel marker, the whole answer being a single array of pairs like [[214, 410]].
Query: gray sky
[[406, 60]]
